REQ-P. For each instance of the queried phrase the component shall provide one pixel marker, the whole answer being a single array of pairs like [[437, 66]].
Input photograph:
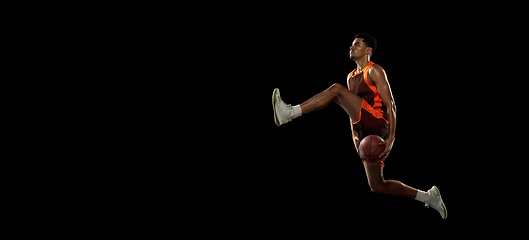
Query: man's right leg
[[349, 101]]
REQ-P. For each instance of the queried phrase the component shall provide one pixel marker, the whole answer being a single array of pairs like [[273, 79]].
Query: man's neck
[[361, 63]]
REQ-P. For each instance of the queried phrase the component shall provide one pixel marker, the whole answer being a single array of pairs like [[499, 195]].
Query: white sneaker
[[436, 202], [281, 109]]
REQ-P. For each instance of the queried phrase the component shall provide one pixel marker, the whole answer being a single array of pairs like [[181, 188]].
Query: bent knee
[[338, 86], [377, 188]]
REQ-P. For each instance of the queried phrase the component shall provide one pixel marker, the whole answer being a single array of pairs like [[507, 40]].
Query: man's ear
[[368, 50]]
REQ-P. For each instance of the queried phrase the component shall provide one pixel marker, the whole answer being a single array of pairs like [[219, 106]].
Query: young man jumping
[[372, 111]]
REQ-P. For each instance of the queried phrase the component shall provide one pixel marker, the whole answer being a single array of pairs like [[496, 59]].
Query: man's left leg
[[378, 184]]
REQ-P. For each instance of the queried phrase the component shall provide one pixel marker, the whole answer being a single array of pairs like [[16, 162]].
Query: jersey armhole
[[349, 77]]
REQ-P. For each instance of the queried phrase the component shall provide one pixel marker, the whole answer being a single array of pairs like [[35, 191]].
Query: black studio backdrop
[[207, 129], [308, 170], [307, 173]]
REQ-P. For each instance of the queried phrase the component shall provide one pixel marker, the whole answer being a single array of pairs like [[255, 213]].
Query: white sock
[[422, 196], [296, 111]]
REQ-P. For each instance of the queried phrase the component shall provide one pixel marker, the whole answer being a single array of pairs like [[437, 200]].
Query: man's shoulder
[[376, 67]]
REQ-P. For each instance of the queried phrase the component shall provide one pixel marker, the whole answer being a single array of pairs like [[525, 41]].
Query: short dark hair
[[369, 41]]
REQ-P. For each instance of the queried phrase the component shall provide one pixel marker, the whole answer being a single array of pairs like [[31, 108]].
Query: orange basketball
[[370, 150]]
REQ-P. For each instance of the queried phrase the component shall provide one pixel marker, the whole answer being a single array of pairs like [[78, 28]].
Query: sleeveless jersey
[[359, 84]]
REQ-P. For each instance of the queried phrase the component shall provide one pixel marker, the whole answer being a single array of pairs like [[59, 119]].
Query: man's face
[[358, 49]]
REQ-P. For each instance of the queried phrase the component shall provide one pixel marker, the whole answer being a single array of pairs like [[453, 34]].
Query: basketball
[[370, 150]]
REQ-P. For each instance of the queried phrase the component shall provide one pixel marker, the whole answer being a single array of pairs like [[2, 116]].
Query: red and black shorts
[[371, 121]]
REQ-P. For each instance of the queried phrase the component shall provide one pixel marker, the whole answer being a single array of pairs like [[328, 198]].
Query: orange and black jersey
[[372, 118]]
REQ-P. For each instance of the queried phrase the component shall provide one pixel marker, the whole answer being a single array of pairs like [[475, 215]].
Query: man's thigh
[[374, 172], [351, 103]]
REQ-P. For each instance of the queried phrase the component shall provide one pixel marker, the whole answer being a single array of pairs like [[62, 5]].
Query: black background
[[238, 170], [306, 174], [193, 144]]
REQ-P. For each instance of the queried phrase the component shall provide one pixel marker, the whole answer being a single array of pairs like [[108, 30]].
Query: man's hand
[[389, 145]]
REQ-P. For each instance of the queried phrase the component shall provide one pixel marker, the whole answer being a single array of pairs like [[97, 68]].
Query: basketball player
[[372, 111]]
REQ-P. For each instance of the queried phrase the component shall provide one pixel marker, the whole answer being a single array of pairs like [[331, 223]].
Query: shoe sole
[[443, 203], [274, 101]]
